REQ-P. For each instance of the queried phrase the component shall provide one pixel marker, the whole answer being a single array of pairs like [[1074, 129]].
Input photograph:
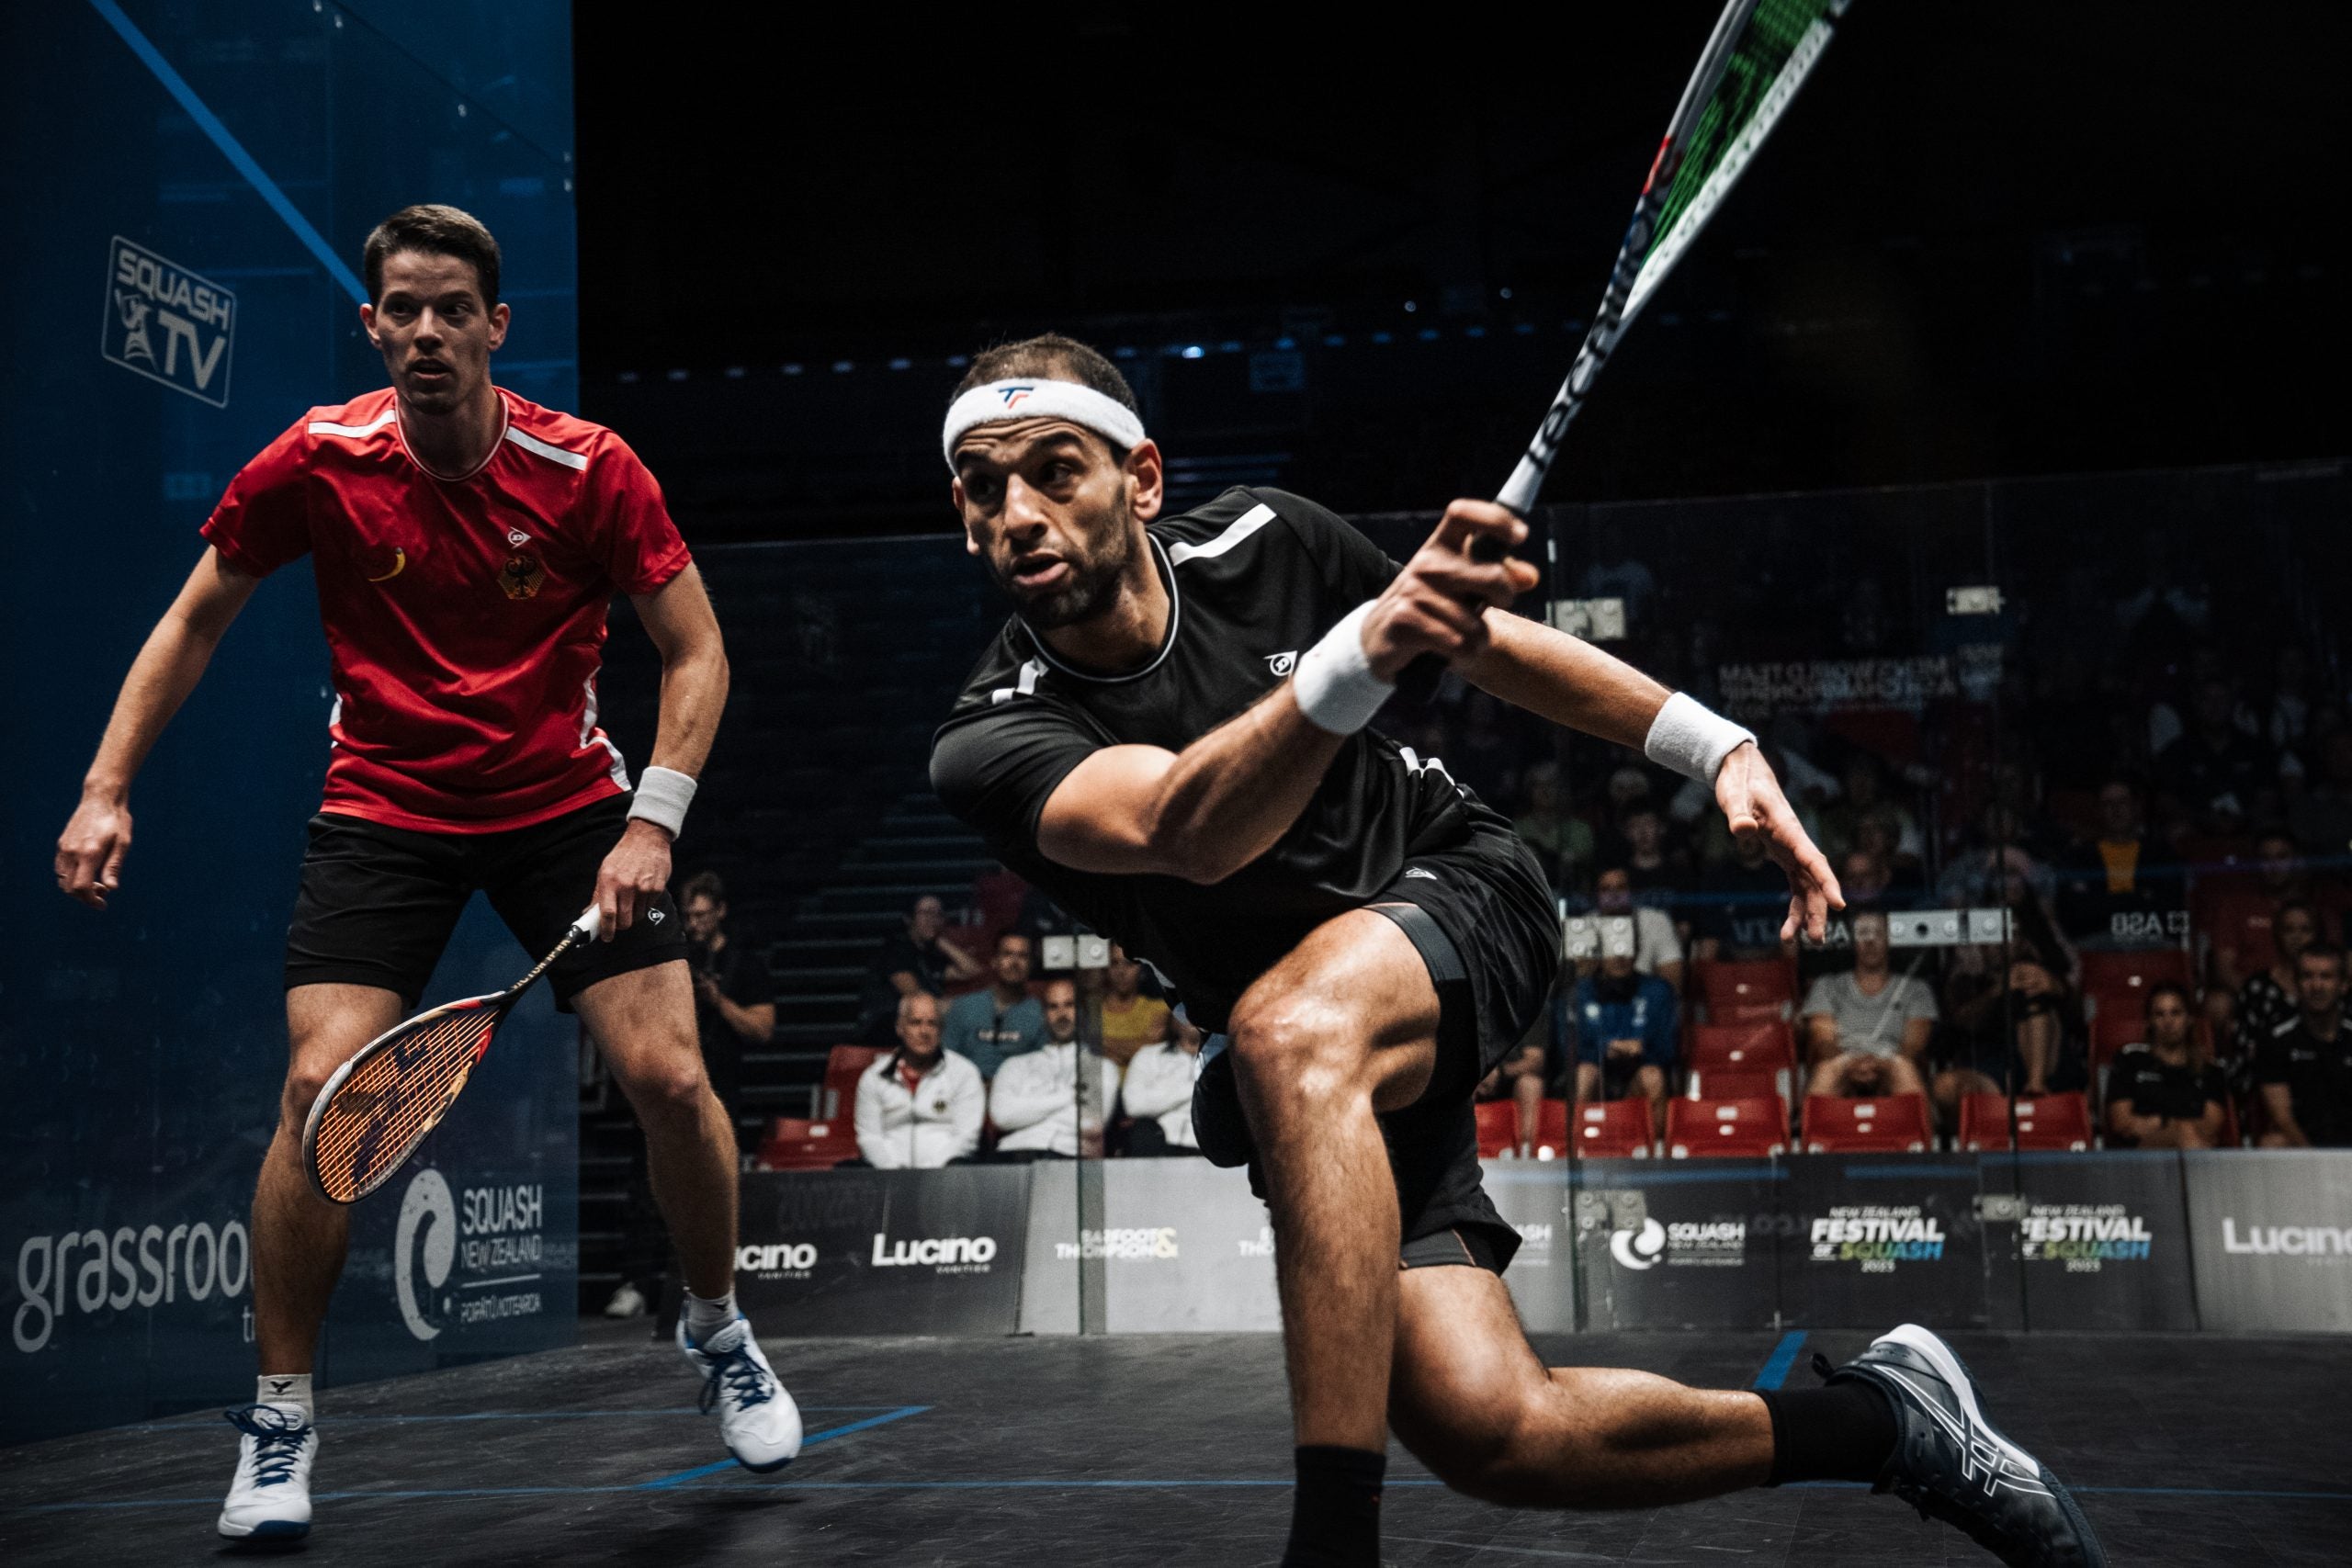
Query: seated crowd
[[2168, 848]]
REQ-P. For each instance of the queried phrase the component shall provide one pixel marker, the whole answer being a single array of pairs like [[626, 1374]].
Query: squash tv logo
[[167, 323]]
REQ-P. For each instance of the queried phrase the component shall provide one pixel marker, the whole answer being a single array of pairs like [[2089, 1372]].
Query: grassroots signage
[[2272, 1234], [1875, 1241], [884, 1251]]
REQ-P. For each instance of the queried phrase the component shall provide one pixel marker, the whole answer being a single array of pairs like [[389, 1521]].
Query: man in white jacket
[[919, 1106], [1035, 1099], [1157, 1091]]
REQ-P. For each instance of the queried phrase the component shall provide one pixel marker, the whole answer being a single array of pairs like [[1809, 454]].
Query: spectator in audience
[[2158, 1095], [734, 992], [2267, 1001], [1996, 858], [1744, 900], [1157, 1091], [1865, 800], [1623, 1024], [914, 958], [922, 1105], [1656, 949], [1034, 1101], [1656, 869], [2209, 777], [2305, 1069], [1131, 1018], [2117, 887], [2279, 880], [2321, 818], [1562, 841], [1003, 1020], [2285, 716], [1866, 1028], [1867, 881]]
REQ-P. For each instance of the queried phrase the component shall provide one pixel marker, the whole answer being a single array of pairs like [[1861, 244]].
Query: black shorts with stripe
[[377, 903], [1481, 915]]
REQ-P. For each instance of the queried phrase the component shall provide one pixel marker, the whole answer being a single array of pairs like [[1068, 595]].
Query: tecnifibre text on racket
[[380, 1104], [1756, 60]]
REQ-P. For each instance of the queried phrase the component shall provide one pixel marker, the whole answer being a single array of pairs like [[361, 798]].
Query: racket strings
[[393, 1099]]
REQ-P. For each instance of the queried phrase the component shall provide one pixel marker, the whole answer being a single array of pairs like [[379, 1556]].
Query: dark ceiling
[[1992, 237]]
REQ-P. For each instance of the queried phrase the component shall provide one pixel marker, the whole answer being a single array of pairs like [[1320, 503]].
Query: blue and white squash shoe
[[1951, 1463], [270, 1497], [756, 1416]]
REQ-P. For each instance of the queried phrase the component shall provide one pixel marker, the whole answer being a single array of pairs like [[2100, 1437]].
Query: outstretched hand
[[1751, 798]]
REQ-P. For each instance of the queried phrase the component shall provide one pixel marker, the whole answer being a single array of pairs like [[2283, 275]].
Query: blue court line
[[1784, 1354], [231, 149], [206, 1418], [682, 1477]]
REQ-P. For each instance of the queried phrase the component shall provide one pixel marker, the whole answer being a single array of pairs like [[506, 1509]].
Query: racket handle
[[591, 921], [1423, 671]]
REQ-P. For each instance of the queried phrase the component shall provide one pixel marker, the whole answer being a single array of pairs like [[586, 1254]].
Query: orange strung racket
[[380, 1104]]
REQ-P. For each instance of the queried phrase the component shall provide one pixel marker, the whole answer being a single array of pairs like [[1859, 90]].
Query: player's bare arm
[[90, 849], [1207, 811], [1569, 681], [678, 617]]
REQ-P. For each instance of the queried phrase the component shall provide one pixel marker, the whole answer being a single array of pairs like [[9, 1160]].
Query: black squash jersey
[[1254, 578]]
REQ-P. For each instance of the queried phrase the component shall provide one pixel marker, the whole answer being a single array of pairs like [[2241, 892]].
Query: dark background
[[1987, 240]]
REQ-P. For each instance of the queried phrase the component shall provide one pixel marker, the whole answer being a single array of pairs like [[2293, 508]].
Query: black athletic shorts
[[377, 903], [1481, 915]]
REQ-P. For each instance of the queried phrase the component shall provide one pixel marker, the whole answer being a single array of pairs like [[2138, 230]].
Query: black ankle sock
[[1335, 1513], [1841, 1432]]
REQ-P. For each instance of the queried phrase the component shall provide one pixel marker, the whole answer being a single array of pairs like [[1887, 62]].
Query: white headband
[[1040, 399]]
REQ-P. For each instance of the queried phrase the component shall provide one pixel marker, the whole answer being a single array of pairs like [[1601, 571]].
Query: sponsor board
[[167, 323], [1532, 1198], [470, 1256], [1182, 1247], [2271, 1234], [1867, 1241], [884, 1251], [1691, 1245]]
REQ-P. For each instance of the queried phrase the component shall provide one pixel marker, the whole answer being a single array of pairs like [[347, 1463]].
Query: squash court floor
[[1169, 1451]]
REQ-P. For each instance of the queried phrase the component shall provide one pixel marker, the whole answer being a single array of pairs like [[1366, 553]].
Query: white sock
[[704, 1318], [284, 1388]]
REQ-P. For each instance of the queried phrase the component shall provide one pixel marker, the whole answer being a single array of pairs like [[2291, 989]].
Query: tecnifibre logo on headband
[[1014, 397]]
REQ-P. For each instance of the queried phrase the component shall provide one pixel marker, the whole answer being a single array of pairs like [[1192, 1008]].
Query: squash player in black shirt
[[1170, 738]]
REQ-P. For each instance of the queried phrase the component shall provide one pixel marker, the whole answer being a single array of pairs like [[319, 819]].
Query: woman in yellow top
[[1131, 1020]]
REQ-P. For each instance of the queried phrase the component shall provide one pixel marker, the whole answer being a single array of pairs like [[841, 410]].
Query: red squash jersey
[[465, 618]]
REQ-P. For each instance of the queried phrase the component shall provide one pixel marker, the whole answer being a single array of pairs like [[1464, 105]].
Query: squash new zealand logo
[[167, 323]]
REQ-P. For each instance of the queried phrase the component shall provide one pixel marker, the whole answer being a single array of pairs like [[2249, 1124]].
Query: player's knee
[[305, 1082], [1479, 1451], [664, 1084], [1291, 1051], [1650, 1083]]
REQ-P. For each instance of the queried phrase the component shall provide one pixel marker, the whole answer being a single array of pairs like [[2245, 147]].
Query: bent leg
[[1345, 1025], [299, 1237], [643, 1020], [1470, 1399]]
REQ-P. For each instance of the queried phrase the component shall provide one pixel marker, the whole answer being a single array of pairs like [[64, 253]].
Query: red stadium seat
[[1893, 1123], [1749, 1129], [1751, 1047], [1497, 1128], [1734, 1083], [2044, 1122], [1607, 1128], [843, 1068], [1765, 984], [796, 1145], [2114, 982], [1552, 1129]]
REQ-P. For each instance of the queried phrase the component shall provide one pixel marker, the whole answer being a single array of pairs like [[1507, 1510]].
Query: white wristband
[[1691, 740], [1334, 685], [662, 796]]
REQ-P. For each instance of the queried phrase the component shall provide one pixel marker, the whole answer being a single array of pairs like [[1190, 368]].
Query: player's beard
[[1093, 582]]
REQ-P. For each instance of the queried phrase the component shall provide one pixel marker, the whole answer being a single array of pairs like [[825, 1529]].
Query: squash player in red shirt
[[466, 546]]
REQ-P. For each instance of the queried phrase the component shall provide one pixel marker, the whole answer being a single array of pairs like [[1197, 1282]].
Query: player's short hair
[[702, 885], [436, 231], [1053, 357]]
